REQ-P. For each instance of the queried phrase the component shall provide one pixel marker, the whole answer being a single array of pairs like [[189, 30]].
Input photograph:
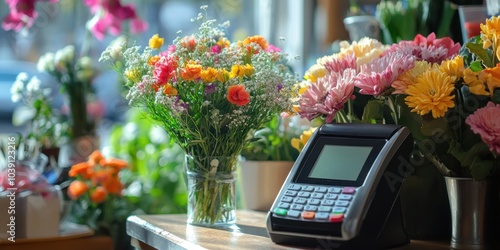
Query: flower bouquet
[[444, 93], [209, 94]]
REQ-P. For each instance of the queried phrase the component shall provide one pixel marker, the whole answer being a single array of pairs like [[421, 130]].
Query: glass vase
[[211, 190]]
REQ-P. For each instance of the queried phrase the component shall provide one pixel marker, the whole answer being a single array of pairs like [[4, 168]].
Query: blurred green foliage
[[155, 181]]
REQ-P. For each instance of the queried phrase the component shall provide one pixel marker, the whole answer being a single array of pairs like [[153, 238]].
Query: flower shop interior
[[239, 124]]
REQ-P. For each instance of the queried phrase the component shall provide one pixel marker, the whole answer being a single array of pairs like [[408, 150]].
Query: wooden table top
[[172, 232]]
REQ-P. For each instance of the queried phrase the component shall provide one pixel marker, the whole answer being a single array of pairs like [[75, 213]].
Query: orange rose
[[191, 72], [238, 95], [95, 157], [82, 169], [113, 186], [77, 189], [256, 39], [99, 195]]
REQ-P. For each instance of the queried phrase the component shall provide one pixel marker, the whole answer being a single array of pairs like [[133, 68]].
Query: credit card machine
[[343, 190]]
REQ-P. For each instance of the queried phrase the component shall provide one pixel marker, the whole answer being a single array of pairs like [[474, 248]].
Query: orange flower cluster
[[98, 175]]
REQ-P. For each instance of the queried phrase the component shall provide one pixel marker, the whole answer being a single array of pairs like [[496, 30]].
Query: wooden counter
[[172, 232]]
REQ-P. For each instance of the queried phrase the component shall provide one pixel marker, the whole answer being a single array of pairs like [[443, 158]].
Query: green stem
[[394, 109]]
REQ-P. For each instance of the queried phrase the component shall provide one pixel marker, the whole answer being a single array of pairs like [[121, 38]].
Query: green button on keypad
[[280, 211]]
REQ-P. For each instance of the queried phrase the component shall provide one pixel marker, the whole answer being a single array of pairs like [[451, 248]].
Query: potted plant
[[266, 161]]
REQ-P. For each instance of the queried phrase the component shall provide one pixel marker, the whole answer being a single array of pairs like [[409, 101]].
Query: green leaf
[[476, 47], [476, 66], [481, 169], [409, 119], [374, 110]]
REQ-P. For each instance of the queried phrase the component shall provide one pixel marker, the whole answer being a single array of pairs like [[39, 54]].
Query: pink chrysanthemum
[[327, 96], [341, 64], [377, 76], [428, 48], [486, 122]]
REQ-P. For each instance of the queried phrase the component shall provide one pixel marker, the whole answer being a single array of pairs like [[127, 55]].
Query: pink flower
[[164, 69], [216, 49], [486, 122], [339, 65], [445, 42], [112, 16], [327, 96], [377, 76], [22, 14], [271, 48]]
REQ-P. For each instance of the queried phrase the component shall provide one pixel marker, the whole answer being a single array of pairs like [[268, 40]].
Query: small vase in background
[[211, 190], [261, 182]]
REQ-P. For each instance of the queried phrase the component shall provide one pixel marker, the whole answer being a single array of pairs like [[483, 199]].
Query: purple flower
[[210, 89], [486, 122]]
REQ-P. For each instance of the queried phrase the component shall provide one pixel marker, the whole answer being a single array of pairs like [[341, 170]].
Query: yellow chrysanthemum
[[432, 93], [490, 30], [155, 42], [476, 81], [300, 143], [453, 67], [208, 75], [410, 77], [314, 72], [222, 75], [493, 78]]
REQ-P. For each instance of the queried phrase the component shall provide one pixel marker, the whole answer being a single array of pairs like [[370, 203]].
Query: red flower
[[238, 95]]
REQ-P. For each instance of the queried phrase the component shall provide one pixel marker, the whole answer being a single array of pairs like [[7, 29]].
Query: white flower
[[64, 56], [23, 77], [46, 63], [33, 85], [16, 91], [15, 97]]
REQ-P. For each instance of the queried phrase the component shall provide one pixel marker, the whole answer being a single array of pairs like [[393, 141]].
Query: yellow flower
[[493, 78], [248, 70], [475, 81], [133, 75], [490, 31], [410, 77], [453, 67], [237, 71], [223, 42], [365, 50], [209, 75], [155, 42], [432, 93], [222, 75], [316, 71], [300, 143]]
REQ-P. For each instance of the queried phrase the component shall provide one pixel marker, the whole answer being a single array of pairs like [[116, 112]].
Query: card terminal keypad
[[315, 203]]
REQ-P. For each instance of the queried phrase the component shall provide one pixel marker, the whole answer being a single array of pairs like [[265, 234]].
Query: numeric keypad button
[[297, 207]]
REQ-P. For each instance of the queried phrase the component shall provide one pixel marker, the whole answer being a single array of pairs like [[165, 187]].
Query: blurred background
[[311, 28]]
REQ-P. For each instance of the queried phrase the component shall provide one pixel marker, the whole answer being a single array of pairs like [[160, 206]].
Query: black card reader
[[343, 190]]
